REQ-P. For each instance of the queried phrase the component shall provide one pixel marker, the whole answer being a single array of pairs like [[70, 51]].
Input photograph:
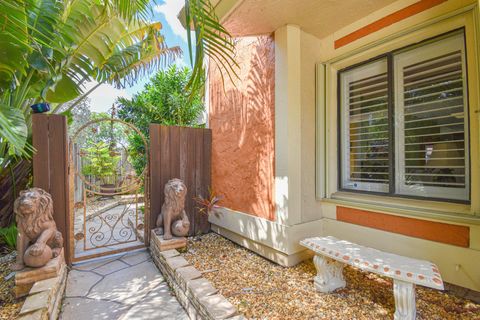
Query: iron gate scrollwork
[[111, 198]]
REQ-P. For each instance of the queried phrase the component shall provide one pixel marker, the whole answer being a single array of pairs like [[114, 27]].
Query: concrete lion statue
[[173, 219], [38, 239]]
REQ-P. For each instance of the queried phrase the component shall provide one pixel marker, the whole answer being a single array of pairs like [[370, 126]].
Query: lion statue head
[[33, 208], [175, 193]]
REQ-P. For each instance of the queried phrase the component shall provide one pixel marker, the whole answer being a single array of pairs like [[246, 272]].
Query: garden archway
[[110, 187]]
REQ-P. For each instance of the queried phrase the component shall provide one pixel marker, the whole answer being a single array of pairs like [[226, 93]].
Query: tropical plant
[[50, 48], [207, 205], [9, 236], [211, 40], [101, 161], [166, 100]]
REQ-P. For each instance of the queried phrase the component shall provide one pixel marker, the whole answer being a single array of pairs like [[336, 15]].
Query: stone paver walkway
[[123, 287]]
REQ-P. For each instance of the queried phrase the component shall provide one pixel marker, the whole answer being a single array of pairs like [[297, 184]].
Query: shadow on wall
[[242, 123]]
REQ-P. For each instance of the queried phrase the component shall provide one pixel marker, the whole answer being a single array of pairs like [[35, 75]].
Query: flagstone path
[[127, 286]]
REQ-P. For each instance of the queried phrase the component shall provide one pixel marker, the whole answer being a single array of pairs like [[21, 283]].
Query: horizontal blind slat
[[414, 182], [433, 117], [436, 126], [368, 93], [441, 58], [436, 150], [367, 131], [423, 81], [433, 86], [411, 106], [456, 89], [433, 134], [433, 142]]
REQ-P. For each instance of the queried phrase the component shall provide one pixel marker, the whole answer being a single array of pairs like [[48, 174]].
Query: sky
[[166, 12]]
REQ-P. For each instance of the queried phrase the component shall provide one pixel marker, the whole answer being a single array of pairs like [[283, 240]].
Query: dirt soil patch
[[9, 306], [261, 289]]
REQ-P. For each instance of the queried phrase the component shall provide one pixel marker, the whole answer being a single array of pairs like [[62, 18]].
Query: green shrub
[[9, 236], [102, 161], [165, 100]]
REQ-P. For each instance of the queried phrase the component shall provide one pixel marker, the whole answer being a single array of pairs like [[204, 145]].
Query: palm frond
[[139, 52], [14, 132], [126, 67], [14, 44], [133, 10], [211, 40]]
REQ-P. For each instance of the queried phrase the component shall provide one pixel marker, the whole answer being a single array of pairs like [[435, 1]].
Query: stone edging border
[[45, 298], [196, 294]]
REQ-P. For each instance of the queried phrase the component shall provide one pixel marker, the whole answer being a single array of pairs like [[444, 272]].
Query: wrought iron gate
[[111, 199]]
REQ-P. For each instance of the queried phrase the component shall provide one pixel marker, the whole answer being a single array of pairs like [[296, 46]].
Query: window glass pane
[[365, 128], [432, 146]]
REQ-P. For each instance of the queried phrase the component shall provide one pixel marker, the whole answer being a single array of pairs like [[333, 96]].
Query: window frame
[[393, 174]]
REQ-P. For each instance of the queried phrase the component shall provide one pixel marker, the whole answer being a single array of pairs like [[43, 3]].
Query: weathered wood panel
[[41, 157], [155, 178], [184, 153], [51, 168]]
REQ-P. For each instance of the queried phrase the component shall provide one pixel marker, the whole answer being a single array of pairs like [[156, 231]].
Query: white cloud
[[104, 96], [170, 9], [181, 63]]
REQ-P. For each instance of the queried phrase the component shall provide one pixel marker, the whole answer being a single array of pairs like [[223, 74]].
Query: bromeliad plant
[[207, 205]]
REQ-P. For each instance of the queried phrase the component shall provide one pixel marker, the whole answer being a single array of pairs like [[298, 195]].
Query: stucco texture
[[241, 117]]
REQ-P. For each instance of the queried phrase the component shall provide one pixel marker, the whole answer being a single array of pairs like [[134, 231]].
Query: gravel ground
[[9, 306], [261, 289]]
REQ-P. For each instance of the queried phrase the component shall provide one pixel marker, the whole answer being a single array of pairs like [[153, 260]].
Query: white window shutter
[[432, 120], [365, 127]]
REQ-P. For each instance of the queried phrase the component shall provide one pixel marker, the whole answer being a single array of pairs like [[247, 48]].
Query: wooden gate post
[[184, 153], [51, 169]]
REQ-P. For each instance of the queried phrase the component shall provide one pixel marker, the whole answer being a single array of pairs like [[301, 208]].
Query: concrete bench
[[332, 254]]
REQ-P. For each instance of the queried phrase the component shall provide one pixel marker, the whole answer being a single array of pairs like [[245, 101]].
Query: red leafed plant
[[206, 205]]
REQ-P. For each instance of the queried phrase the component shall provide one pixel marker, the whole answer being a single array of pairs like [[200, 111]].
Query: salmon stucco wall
[[241, 117]]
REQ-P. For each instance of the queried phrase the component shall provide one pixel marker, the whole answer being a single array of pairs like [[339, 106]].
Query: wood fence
[[51, 168], [184, 153], [12, 181]]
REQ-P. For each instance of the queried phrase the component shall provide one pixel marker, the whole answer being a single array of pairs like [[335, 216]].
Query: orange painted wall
[[386, 21], [423, 229], [242, 121]]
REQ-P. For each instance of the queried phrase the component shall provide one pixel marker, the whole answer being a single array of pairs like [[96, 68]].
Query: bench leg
[[404, 293], [329, 274]]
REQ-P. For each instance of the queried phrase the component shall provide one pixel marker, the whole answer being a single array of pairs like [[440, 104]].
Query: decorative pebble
[[288, 293]]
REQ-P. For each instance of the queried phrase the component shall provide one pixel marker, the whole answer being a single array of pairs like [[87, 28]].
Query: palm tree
[[59, 45], [212, 40], [49, 48]]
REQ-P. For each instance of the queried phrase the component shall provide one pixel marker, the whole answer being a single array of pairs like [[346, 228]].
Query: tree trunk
[[12, 181]]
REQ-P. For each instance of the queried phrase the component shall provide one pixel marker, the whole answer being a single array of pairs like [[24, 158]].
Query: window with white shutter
[[365, 128], [431, 113], [416, 143]]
